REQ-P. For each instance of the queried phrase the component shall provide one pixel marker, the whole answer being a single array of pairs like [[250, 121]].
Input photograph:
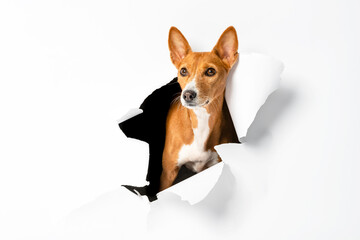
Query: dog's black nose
[[189, 95]]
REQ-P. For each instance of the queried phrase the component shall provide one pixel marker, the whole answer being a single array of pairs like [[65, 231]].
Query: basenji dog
[[199, 118]]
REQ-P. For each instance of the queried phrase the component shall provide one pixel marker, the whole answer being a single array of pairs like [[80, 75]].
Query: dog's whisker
[[176, 99]]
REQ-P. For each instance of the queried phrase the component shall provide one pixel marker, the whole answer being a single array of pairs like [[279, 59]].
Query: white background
[[70, 69]]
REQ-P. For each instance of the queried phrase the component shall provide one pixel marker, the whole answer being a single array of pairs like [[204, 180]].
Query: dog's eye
[[183, 72], [210, 72]]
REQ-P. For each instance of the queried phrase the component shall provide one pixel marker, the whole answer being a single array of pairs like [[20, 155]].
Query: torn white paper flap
[[251, 81], [197, 187], [130, 114]]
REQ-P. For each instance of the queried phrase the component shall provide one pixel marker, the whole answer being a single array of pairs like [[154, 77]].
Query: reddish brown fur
[[181, 120]]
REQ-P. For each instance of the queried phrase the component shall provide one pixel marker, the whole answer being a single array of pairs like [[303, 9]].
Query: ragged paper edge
[[192, 189], [130, 114]]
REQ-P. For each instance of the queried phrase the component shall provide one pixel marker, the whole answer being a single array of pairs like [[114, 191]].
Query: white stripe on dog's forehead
[[191, 85]]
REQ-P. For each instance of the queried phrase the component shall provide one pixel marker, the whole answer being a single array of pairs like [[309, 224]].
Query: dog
[[199, 118]]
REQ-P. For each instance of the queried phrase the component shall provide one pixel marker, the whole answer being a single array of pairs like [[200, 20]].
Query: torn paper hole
[[249, 84]]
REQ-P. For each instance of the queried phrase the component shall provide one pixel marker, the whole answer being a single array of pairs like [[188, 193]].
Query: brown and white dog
[[201, 119]]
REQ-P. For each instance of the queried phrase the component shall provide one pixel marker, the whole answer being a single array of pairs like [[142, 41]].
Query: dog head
[[202, 75]]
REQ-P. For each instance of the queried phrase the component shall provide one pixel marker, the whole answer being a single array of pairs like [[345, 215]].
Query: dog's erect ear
[[227, 46], [178, 46]]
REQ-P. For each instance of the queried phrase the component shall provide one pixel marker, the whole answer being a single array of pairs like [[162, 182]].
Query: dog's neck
[[206, 122]]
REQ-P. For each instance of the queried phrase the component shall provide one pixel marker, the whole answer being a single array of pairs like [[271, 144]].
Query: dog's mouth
[[205, 103], [192, 105]]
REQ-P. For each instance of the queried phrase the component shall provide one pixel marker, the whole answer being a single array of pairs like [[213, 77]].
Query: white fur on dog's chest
[[195, 153]]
